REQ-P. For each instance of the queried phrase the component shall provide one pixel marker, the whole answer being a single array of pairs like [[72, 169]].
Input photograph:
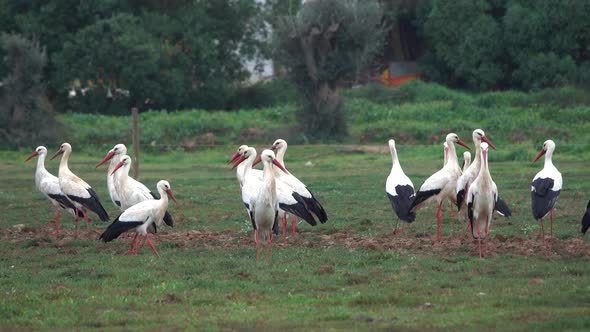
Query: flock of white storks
[[272, 194]]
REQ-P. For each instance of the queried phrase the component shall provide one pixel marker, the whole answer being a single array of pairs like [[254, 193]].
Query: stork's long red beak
[[258, 160], [542, 152], [240, 159], [277, 164], [32, 155], [60, 151], [487, 140], [107, 157], [233, 158], [169, 192], [460, 142], [119, 165]]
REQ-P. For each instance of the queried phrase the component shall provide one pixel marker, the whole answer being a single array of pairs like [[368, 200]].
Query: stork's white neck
[[549, 158], [40, 172], [452, 155], [63, 163], [394, 158], [280, 154]]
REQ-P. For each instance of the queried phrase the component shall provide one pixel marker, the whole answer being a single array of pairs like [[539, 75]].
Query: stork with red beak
[[265, 205], [440, 186], [114, 155], [48, 185], [300, 191], [546, 187], [141, 217], [481, 201], [78, 192], [131, 191]]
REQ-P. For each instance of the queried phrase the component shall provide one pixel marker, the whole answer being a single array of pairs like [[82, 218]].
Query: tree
[[26, 117], [325, 46]]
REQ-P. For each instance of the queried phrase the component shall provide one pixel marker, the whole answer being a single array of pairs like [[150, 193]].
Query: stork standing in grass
[[586, 220], [48, 185], [545, 188], [481, 200], [114, 155], [440, 186], [131, 191], [76, 190], [300, 191], [265, 206], [399, 189], [141, 217]]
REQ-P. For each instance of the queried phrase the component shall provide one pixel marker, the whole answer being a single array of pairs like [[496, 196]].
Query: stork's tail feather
[[314, 206], [117, 228], [502, 208], [421, 197], [168, 219], [299, 210]]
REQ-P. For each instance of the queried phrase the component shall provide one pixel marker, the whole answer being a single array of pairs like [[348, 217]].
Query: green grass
[[310, 285]]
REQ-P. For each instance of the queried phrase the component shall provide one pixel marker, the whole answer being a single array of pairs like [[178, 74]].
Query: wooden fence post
[[135, 141]]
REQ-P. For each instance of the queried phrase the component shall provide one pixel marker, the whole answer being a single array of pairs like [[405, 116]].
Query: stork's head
[[548, 146], [124, 161], [65, 147], [248, 153], [118, 149], [480, 136], [454, 138], [237, 155], [279, 144], [268, 158], [164, 186], [39, 151]]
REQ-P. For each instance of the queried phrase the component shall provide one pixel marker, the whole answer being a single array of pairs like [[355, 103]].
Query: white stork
[[114, 155], [76, 190], [141, 217], [399, 189], [241, 166], [300, 191], [546, 187], [131, 191], [441, 185], [48, 185], [471, 172], [265, 205], [287, 198], [481, 200]]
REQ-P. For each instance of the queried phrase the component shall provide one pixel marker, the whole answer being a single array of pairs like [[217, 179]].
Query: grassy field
[[348, 274]]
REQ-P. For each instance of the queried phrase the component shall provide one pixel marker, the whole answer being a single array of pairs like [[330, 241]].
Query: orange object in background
[[399, 78]]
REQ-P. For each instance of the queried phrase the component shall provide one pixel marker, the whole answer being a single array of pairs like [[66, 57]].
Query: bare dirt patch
[[416, 244]]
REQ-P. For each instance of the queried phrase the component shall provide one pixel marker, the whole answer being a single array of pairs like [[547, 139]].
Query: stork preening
[[141, 217], [441, 185], [265, 205], [114, 155], [48, 185], [300, 191], [399, 189], [131, 191], [481, 200], [545, 188], [78, 192]]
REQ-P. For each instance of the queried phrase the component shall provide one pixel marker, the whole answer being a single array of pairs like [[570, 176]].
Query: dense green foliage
[[483, 44], [26, 117], [149, 54], [325, 46]]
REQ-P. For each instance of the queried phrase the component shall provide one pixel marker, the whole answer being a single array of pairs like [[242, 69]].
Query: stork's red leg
[[56, 222], [76, 221], [268, 249], [486, 239], [478, 236], [439, 222], [543, 230], [257, 246], [254, 234], [293, 226], [132, 250], [551, 215], [85, 217], [152, 245], [284, 224]]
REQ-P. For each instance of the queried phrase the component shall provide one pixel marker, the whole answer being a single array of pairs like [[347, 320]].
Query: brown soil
[[408, 243]]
